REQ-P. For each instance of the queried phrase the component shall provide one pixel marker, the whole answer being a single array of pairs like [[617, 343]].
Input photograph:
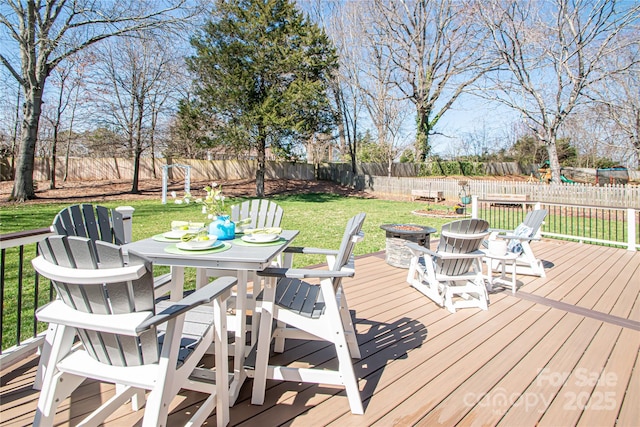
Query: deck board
[[563, 409], [492, 402], [519, 363], [612, 383], [533, 400], [628, 403]]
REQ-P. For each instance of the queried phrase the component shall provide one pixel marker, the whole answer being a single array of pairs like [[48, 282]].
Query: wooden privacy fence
[[95, 169]]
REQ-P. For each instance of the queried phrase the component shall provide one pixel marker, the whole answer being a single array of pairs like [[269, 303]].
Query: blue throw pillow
[[521, 231]]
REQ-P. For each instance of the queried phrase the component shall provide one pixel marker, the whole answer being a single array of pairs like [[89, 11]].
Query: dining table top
[[237, 254]]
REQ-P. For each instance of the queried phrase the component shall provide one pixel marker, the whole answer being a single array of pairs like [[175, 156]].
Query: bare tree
[[10, 113], [552, 52], [435, 48], [347, 36], [62, 77], [363, 88], [134, 81], [45, 32], [380, 95], [619, 101], [339, 21], [81, 64]]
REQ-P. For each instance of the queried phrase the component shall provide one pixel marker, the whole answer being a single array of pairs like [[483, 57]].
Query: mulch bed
[[435, 213]]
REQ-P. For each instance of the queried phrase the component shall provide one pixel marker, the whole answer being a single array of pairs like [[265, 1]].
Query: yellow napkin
[[267, 230], [244, 221]]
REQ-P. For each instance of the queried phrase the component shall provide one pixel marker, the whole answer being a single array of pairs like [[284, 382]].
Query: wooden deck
[[563, 351]]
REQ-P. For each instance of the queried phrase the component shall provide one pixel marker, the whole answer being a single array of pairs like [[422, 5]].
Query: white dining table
[[241, 257]]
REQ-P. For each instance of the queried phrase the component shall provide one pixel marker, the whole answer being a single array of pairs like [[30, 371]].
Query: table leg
[[239, 375], [201, 277], [177, 283], [489, 275], [264, 341], [503, 266]]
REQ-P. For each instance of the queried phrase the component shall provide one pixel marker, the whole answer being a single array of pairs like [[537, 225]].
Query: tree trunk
[[52, 160], [14, 140], [137, 149], [262, 144], [136, 172], [339, 116], [56, 132], [152, 141], [73, 115], [423, 150], [554, 164], [23, 188]]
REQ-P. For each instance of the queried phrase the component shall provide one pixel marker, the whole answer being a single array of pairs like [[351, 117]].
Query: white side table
[[503, 260]]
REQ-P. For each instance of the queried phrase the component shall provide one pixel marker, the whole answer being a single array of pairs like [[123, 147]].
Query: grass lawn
[[321, 219]]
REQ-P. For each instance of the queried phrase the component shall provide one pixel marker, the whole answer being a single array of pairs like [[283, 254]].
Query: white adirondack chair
[[109, 307], [312, 311], [452, 275], [100, 223], [519, 241], [261, 213]]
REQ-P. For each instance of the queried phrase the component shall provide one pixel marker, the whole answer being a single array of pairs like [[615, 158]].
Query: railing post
[[474, 206], [127, 221], [631, 229]]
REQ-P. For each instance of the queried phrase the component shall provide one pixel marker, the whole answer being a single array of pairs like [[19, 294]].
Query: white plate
[[176, 234], [251, 239], [185, 246]]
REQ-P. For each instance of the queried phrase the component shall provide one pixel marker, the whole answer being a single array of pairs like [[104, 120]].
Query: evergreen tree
[[263, 71]]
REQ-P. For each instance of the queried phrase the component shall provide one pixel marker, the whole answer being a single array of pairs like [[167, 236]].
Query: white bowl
[[201, 244], [264, 237]]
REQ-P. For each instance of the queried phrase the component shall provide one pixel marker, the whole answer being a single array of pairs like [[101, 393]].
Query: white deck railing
[[578, 222], [621, 196]]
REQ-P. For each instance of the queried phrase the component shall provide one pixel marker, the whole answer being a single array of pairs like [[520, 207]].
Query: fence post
[[631, 229]]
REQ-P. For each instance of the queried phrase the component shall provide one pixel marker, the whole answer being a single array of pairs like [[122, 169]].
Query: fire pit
[[397, 254]]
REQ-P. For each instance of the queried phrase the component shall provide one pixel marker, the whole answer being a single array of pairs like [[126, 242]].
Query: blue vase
[[223, 228]]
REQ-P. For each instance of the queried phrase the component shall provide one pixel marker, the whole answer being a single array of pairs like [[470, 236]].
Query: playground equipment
[[165, 179], [545, 174]]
